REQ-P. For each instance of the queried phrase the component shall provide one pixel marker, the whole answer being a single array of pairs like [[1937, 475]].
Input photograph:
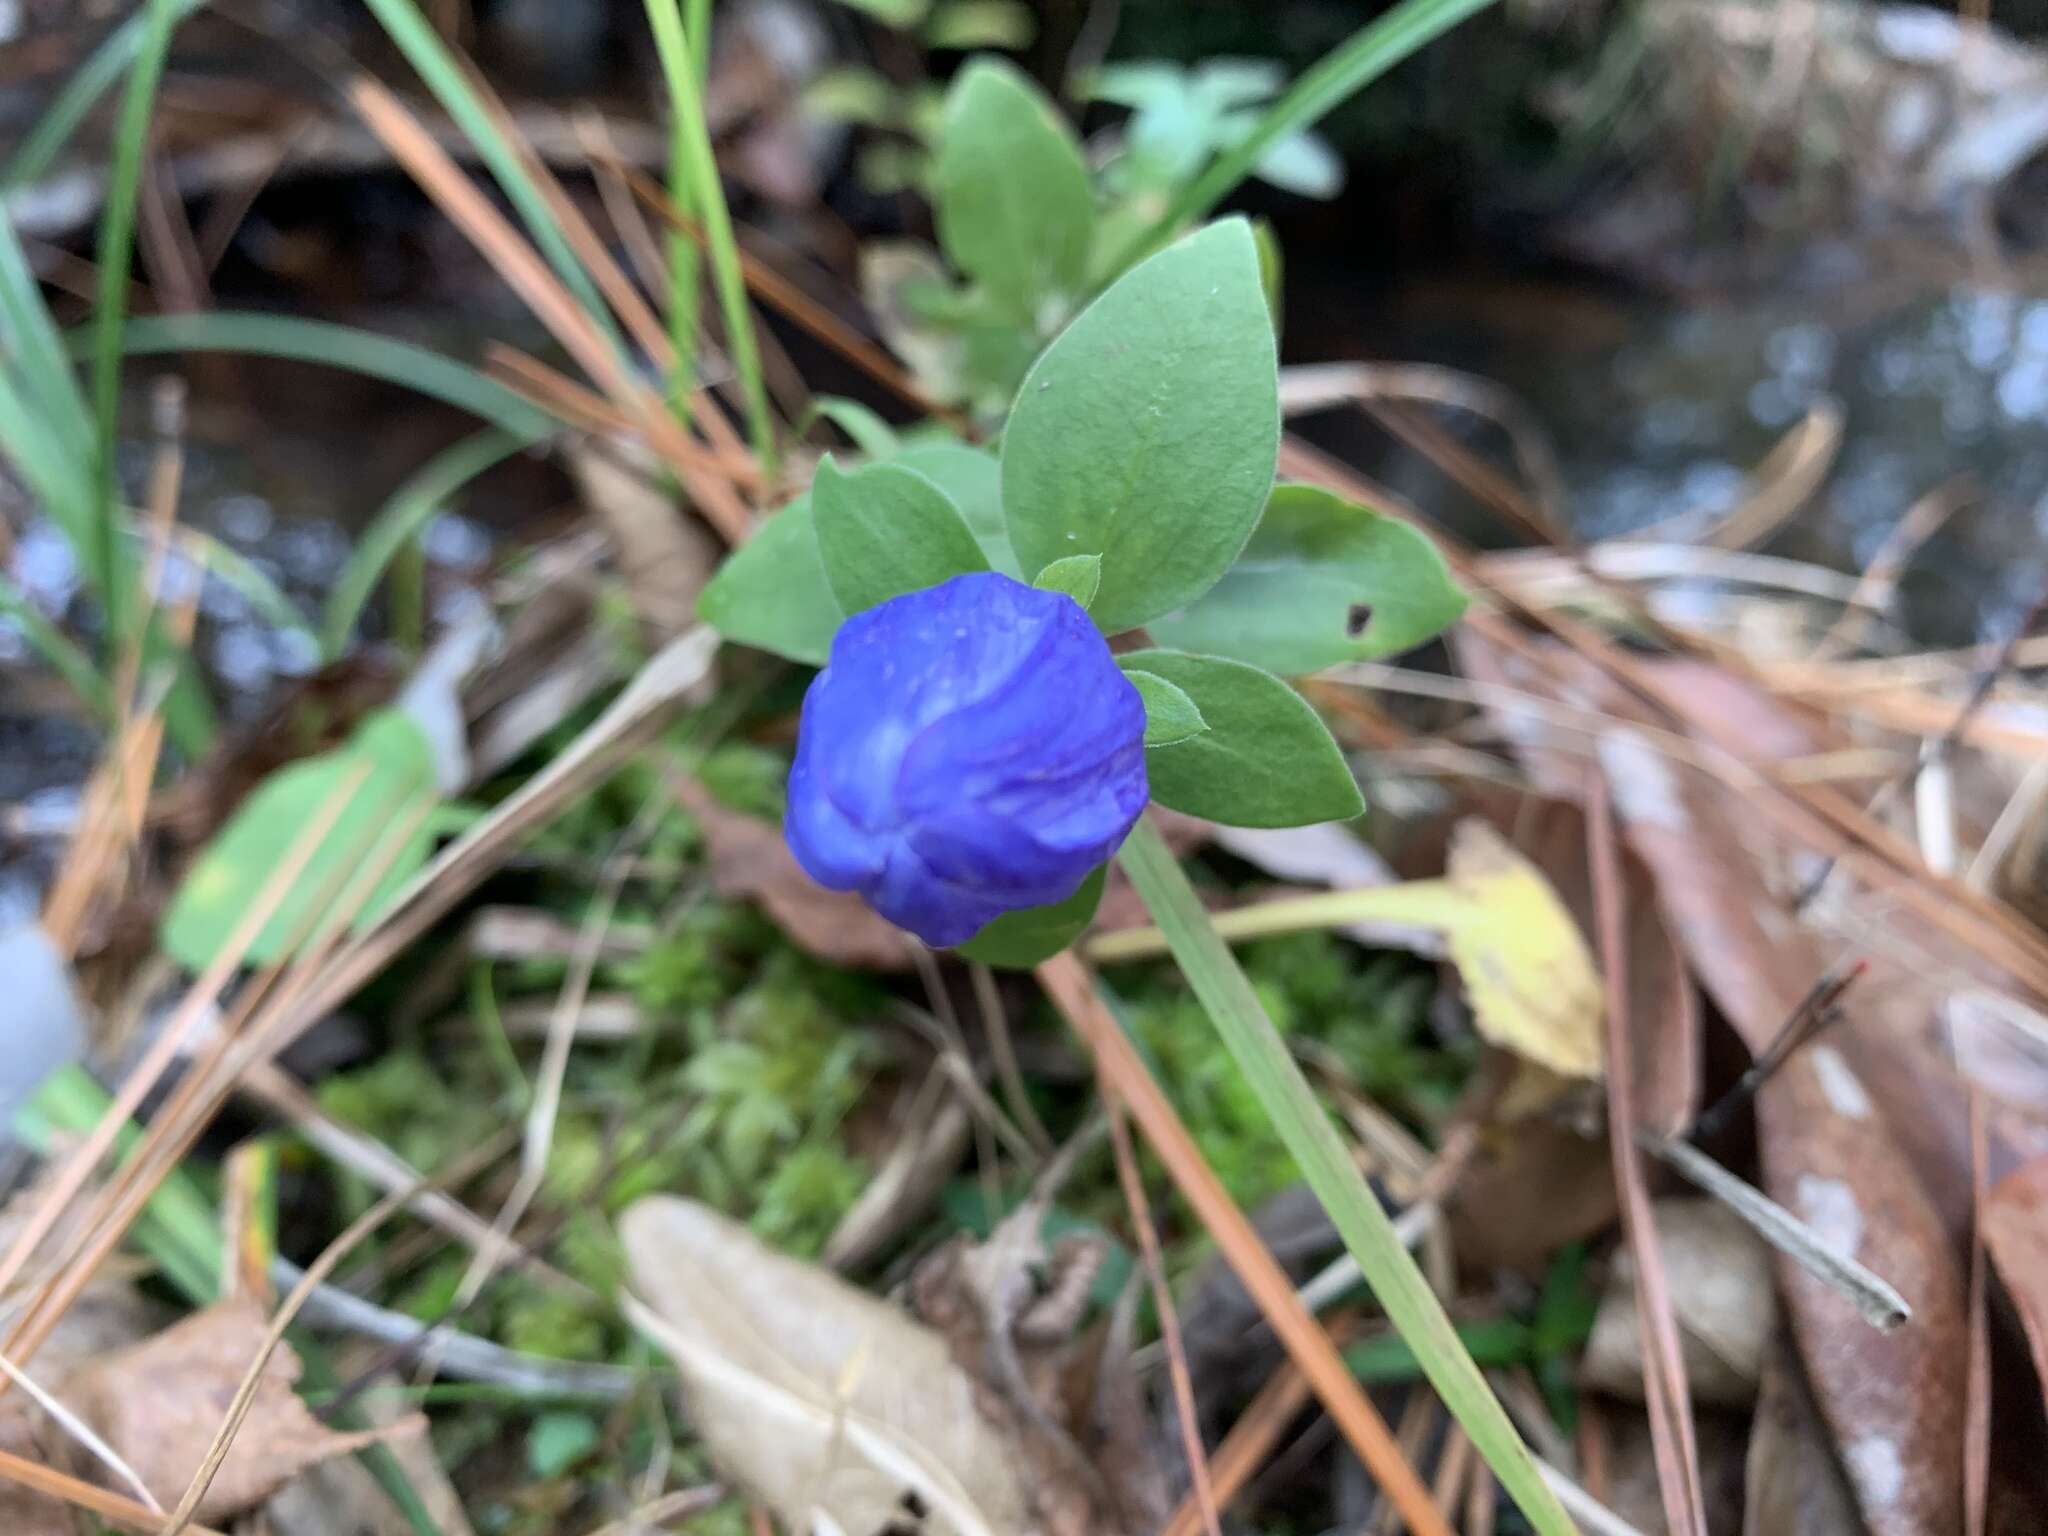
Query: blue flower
[[970, 749]]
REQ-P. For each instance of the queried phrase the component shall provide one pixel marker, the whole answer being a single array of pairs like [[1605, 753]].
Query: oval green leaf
[[1266, 760], [1015, 209], [1018, 940], [771, 592], [1079, 576], [886, 530], [1170, 715], [1147, 432], [1322, 581], [392, 766]]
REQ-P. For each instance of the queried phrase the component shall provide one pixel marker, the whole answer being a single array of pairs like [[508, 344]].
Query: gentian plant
[[1020, 647], [973, 751]]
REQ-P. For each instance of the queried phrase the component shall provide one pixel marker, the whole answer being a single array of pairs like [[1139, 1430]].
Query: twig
[[1002, 1051], [1162, 1303], [1815, 1014], [1881, 1305], [462, 1355], [679, 1505]]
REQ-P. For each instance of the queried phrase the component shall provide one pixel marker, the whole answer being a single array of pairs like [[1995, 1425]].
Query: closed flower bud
[[970, 750]]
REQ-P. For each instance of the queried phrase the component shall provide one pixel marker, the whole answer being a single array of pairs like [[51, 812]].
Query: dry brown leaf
[[664, 556], [1537, 1183], [750, 861], [812, 1394], [1722, 1293], [159, 1403]]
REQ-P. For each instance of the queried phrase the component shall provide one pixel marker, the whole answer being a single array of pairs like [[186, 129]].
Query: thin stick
[[1879, 1302], [1304, 1339], [1162, 1303], [1815, 1013]]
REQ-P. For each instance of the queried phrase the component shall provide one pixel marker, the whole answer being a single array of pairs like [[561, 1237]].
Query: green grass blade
[[105, 553], [707, 202], [1347, 69], [341, 346], [56, 648], [684, 266], [399, 523], [437, 66], [62, 482], [1303, 1125], [81, 93], [30, 336]]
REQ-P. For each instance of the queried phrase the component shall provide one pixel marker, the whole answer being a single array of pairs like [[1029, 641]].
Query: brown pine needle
[[1162, 1303], [88, 1496], [1296, 1327], [1666, 1392]]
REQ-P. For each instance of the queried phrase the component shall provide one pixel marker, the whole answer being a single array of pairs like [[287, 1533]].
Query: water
[[1657, 409]]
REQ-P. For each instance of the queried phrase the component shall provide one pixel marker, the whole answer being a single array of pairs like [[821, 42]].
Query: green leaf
[[771, 592], [411, 507], [1170, 715], [1019, 940], [885, 530], [1014, 206], [974, 481], [852, 93], [391, 765], [862, 426], [1078, 576], [1266, 760], [1322, 581], [965, 24], [558, 1441], [1147, 432]]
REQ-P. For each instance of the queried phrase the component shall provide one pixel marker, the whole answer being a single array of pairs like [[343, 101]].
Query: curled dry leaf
[[813, 1395], [159, 1403], [1539, 1183], [1722, 1294], [750, 861]]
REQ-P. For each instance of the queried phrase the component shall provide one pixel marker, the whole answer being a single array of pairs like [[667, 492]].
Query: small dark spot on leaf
[[913, 1504], [1355, 621]]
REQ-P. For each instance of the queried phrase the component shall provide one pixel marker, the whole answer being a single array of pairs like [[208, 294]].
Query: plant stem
[[707, 203], [1340, 74], [1304, 1126]]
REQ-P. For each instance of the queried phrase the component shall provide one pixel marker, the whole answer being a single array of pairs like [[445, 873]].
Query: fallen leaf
[[159, 1403], [1722, 1293], [813, 1395], [664, 556], [1632, 1469], [751, 862]]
